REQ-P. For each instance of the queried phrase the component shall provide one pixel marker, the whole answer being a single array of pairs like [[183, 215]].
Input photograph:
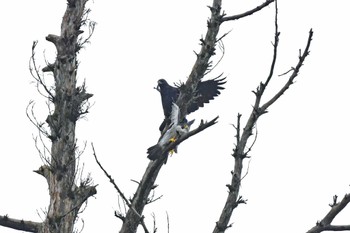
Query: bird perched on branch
[[205, 92], [175, 130]]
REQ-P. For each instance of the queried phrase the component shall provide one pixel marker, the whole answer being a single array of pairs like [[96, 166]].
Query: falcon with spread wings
[[205, 92]]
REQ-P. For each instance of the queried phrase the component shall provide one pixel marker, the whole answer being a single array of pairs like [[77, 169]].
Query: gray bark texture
[[69, 101], [66, 197]]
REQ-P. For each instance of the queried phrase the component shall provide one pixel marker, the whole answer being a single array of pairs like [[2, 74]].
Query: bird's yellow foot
[[173, 139]]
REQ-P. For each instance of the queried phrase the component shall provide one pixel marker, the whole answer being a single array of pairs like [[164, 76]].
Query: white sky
[[300, 160]]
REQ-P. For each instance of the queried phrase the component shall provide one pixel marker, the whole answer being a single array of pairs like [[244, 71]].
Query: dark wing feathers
[[206, 91]]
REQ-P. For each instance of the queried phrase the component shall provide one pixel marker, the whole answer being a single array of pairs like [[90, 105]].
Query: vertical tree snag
[[69, 101], [66, 197]]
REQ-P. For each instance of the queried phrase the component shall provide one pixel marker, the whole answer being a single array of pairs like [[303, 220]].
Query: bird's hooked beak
[[158, 86]]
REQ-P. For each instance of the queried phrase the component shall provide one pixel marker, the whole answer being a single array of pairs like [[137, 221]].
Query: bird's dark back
[[169, 95]]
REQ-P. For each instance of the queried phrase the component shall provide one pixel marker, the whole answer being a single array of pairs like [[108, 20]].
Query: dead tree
[[69, 103], [242, 148], [326, 223], [133, 217]]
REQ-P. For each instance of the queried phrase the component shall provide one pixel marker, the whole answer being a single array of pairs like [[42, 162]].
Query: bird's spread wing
[[206, 91]]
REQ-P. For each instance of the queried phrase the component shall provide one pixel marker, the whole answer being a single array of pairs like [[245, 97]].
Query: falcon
[[205, 92], [176, 130]]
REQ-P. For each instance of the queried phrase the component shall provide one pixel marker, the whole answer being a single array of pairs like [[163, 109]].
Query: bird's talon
[[173, 139]]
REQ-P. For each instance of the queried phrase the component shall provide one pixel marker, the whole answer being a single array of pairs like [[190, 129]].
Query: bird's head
[[161, 83]]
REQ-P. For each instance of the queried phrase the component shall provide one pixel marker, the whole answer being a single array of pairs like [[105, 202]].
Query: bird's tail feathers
[[154, 152]]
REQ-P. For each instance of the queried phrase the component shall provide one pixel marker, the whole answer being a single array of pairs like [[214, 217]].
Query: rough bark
[[68, 99], [66, 197]]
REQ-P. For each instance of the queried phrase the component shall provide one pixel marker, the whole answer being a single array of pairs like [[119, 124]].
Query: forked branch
[[240, 151], [295, 73], [325, 223]]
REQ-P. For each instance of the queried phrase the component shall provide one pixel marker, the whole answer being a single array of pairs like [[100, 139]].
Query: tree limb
[[293, 75], [203, 59], [140, 198], [172, 145], [21, 225], [336, 228], [325, 223], [250, 12], [240, 152], [120, 193], [185, 98], [110, 178]]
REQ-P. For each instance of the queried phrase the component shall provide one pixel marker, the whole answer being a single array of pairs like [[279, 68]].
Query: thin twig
[[34, 120], [154, 223], [168, 221], [275, 46], [293, 76], [110, 178], [36, 74], [119, 191]]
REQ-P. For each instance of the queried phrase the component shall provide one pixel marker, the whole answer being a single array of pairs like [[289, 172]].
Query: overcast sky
[[300, 159]]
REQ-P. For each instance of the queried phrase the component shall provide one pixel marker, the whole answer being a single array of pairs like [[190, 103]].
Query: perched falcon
[[206, 91], [175, 130]]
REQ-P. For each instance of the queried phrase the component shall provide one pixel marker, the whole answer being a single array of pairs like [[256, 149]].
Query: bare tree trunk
[[69, 103], [66, 197]]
